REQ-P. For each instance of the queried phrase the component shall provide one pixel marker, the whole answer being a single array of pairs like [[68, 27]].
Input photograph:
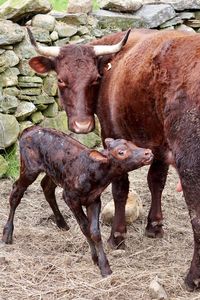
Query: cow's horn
[[110, 49], [43, 50]]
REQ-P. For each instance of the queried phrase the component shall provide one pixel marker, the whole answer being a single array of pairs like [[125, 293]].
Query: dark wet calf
[[81, 172]]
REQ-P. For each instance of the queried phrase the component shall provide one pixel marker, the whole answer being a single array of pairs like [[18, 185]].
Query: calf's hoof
[[154, 230], [95, 259], [106, 272], [192, 282], [7, 239], [58, 220], [62, 225], [117, 242]]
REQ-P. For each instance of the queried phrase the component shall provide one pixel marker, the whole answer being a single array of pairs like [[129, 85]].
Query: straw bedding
[[48, 264]]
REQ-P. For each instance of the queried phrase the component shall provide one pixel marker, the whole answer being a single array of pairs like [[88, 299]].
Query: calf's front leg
[[83, 222], [93, 211]]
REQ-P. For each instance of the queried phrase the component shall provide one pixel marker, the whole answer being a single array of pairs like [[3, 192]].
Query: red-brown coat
[[81, 172], [148, 93]]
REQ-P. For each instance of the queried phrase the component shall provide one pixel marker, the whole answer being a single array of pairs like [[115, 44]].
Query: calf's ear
[[41, 64], [108, 142], [97, 156]]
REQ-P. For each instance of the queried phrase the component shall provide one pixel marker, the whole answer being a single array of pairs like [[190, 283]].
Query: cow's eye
[[61, 83]]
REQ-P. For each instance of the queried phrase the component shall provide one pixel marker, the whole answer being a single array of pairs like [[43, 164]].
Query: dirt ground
[[47, 263]]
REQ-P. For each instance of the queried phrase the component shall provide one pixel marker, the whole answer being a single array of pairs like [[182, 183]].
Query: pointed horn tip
[[29, 31], [43, 50], [126, 36], [32, 39]]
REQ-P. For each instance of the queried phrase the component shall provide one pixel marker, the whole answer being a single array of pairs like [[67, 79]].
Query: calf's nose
[[148, 156]]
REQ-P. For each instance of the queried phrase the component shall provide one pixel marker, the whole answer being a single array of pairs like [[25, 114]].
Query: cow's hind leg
[[49, 187], [19, 187], [93, 211], [120, 189], [191, 190], [156, 180]]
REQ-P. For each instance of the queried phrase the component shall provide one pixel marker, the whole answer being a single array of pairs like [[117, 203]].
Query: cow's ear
[[108, 142], [41, 64], [97, 156], [103, 62]]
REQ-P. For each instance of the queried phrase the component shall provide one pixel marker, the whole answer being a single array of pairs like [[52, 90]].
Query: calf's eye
[[121, 152]]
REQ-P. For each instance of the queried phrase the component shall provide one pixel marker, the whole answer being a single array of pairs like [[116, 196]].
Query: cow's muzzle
[[84, 126]]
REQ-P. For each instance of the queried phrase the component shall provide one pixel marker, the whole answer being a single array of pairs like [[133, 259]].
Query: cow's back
[[177, 65], [127, 106]]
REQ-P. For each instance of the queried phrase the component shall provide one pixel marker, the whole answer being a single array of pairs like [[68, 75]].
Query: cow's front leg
[[120, 189], [156, 180]]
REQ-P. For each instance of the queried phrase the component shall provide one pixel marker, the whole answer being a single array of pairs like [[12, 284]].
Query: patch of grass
[[13, 163], [95, 5], [61, 5]]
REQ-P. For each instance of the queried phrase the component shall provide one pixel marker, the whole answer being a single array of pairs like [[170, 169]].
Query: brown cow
[[81, 172], [149, 94]]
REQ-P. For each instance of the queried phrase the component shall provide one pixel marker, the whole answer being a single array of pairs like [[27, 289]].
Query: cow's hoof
[[154, 231], [191, 283]]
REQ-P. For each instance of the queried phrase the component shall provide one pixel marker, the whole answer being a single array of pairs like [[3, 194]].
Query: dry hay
[[46, 263]]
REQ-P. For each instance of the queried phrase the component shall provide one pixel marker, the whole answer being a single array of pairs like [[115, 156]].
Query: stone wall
[[27, 98]]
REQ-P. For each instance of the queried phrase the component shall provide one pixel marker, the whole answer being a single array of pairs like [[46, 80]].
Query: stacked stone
[[28, 98], [159, 14]]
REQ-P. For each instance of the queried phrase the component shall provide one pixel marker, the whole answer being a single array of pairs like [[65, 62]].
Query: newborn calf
[[81, 172]]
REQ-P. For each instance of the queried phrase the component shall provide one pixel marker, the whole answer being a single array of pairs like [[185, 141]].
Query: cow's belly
[[137, 123]]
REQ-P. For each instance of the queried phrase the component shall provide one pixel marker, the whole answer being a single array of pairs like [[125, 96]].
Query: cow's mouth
[[85, 126]]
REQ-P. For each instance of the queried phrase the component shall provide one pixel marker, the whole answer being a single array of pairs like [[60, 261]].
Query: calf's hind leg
[[19, 187], [49, 187]]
